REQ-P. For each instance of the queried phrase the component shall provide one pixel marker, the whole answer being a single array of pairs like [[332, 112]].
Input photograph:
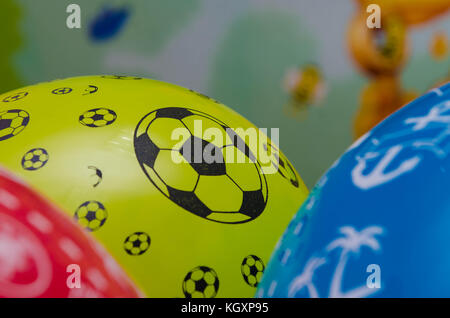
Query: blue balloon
[[377, 224]]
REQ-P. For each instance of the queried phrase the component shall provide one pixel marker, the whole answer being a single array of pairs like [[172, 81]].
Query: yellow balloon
[[107, 150]]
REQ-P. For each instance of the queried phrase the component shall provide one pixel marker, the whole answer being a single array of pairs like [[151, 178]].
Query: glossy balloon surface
[[102, 148], [376, 224], [45, 254]]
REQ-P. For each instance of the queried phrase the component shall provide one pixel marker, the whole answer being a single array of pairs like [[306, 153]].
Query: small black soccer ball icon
[[12, 122], [137, 243], [35, 159], [91, 215], [201, 282], [252, 269], [98, 117], [121, 77], [281, 163], [203, 96], [62, 91], [15, 97]]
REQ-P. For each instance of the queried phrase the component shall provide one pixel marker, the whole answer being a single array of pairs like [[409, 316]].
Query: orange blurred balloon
[[380, 98], [378, 51], [382, 52]]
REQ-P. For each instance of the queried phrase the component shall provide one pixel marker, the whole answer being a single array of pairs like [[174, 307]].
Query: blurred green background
[[237, 51]]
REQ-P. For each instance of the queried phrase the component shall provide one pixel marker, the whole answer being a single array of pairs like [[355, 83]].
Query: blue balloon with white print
[[377, 224]]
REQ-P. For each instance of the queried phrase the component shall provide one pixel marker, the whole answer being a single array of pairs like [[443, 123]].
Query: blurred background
[[305, 66]]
